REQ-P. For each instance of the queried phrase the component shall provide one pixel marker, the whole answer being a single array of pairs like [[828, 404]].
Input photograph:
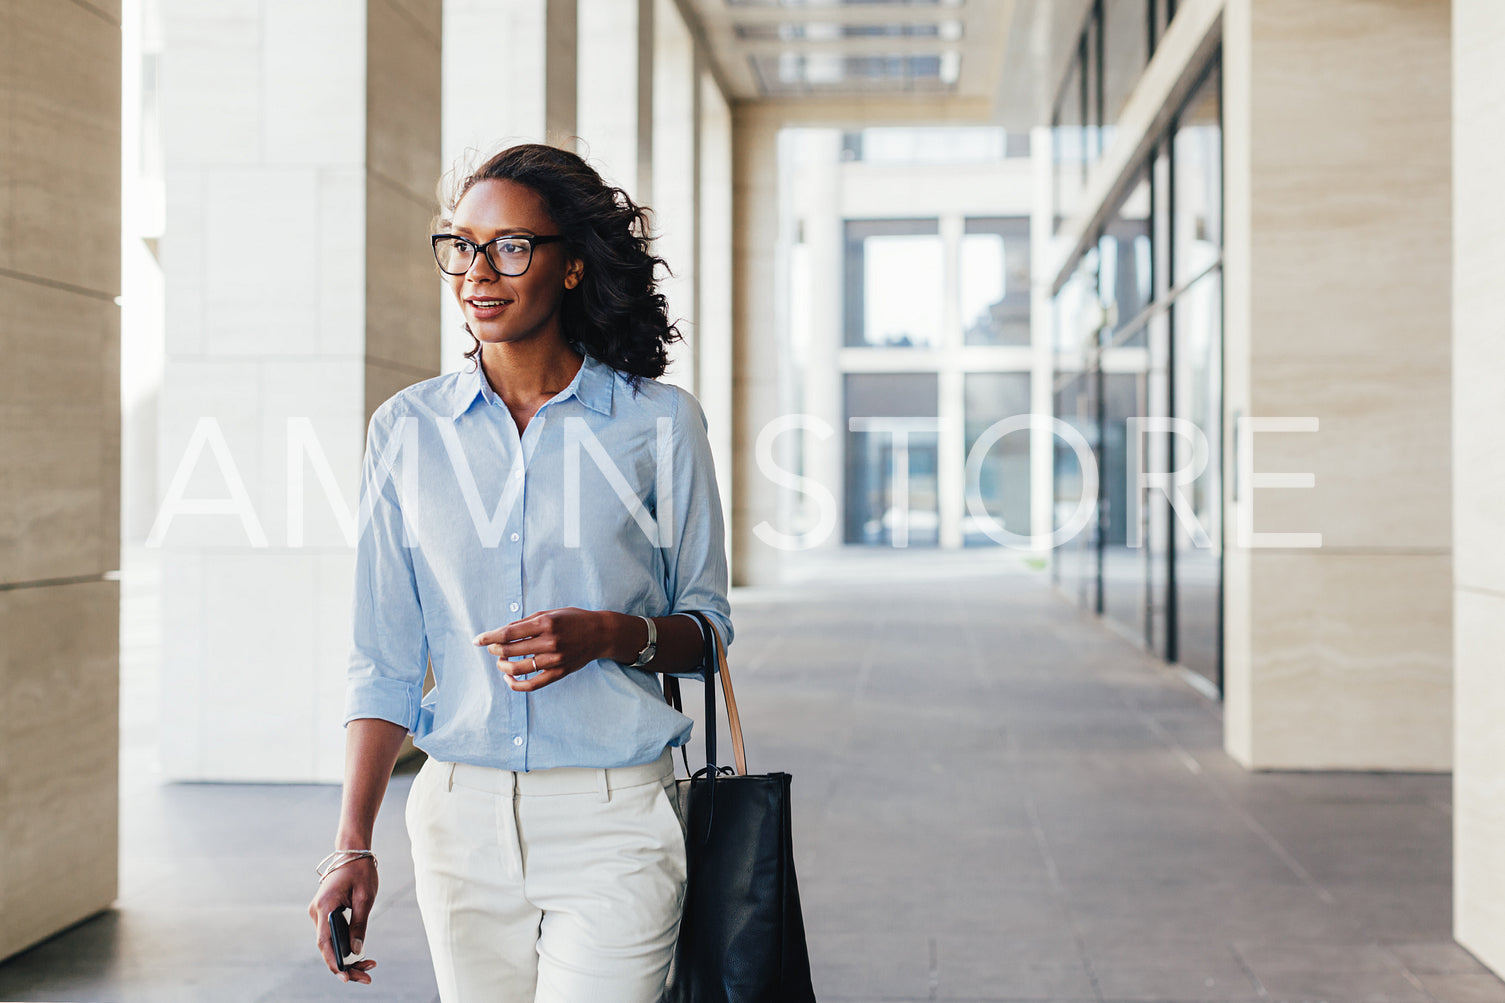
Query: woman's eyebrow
[[513, 231]]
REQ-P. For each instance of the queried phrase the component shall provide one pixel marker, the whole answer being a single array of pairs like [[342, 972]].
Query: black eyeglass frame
[[533, 243]]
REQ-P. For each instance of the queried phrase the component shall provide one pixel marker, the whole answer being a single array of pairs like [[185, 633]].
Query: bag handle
[[712, 663]]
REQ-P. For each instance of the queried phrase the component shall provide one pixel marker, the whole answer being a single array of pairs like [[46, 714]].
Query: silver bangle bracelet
[[324, 867]]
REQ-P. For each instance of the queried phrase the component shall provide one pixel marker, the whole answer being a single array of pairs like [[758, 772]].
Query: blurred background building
[[1178, 233]]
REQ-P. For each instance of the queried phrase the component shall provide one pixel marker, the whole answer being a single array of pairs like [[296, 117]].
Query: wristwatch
[[651, 648]]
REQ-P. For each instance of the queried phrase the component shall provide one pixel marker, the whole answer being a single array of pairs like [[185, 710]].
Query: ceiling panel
[[788, 49]]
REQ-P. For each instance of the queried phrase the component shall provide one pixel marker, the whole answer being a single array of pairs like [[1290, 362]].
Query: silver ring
[[535, 663]]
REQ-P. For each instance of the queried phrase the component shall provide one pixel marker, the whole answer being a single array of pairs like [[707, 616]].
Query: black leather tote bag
[[742, 936]]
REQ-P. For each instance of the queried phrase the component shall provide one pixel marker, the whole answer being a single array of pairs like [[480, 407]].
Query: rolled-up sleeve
[[695, 564], [389, 654]]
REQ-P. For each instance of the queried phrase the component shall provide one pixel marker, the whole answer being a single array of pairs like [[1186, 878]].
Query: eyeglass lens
[[508, 255]]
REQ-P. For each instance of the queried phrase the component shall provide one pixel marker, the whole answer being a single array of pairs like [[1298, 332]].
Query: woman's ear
[[574, 271]]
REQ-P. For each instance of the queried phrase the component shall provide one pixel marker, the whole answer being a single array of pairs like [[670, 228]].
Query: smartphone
[[339, 934]]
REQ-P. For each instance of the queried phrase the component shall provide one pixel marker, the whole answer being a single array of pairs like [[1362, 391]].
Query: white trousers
[[552, 886]]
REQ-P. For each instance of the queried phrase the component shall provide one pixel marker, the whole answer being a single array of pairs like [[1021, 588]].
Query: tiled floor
[[995, 799]]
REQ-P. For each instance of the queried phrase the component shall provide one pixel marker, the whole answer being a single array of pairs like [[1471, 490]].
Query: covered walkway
[[996, 799]]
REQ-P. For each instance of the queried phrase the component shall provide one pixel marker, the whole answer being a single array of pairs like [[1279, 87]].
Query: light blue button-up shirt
[[607, 500]]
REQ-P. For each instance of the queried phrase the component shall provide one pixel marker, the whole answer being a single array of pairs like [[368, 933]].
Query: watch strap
[[651, 648]]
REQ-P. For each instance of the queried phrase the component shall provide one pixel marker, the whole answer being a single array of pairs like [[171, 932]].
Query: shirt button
[[518, 740], [517, 475], [513, 607], [515, 538]]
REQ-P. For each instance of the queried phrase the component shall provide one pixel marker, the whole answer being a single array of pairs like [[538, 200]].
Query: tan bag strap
[[733, 719]]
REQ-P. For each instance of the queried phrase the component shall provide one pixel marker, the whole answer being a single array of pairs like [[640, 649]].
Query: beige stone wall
[[1479, 479], [302, 147], [542, 51], [675, 99], [615, 112], [60, 450], [714, 297], [403, 43], [1338, 265], [755, 345]]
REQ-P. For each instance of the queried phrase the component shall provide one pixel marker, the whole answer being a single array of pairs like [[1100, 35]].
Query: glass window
[[1075, 560], [1126, 272], [1151, 454], [1076, 313], [894, 283], [891, 459], [933, 145], [1153, 568], [1197, 319], [1123, 567], [994, 264], [1196, 381], [851, 145], [1198, 212], [950, 145], [1003, 482], [1093, 88], [1070, 155], [1126, 52]]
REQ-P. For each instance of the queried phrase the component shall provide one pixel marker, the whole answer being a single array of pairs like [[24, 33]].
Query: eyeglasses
[[510, 256]]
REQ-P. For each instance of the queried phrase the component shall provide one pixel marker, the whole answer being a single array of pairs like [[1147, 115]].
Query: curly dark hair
[[616, 312]]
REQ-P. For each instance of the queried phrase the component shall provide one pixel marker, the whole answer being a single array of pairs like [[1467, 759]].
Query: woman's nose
[[480, 267]]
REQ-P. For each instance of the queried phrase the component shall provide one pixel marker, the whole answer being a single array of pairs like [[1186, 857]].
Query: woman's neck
[[525, 372]]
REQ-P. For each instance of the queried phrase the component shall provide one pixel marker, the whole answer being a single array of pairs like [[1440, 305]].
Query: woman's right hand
[[371, 747], [351, 886]]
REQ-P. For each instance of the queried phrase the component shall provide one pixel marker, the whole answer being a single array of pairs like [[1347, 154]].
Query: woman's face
[[501, 308]]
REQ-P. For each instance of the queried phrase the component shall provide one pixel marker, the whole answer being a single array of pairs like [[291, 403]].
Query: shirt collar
[[592, 386]]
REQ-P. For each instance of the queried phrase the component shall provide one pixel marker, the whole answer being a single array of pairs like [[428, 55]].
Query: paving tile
[[1010, 830], [872, 964], [1019, 980], [1176, 985], [1327, 970], [312, 982], [975, 962], [1127, 949], [1463, 988], [1443, 957], [228, 982]]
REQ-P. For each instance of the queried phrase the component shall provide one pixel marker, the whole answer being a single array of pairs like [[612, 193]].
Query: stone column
[[302, 147], [1042, 467], [676, 122], [715, 283], [951, 399], [60, 450], [824, 447], [756, 339], [1338, 313], [615, 98], [1478, 480], [534, 43]]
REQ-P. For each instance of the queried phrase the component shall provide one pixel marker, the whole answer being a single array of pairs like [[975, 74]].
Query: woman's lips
[[486, 308]]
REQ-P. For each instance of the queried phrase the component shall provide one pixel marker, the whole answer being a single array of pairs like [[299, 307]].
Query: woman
[[536, 528]]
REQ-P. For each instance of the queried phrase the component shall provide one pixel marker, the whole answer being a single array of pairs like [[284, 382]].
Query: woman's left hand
[[555, 641]]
